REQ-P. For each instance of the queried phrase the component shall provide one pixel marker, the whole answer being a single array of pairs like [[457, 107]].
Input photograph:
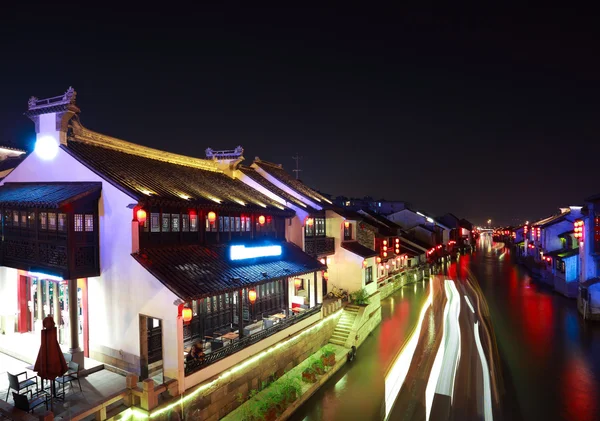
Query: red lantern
[[385, 254], [252, 295], [346, 224], [310, 222], [365, 263], [326, 275], [186, 314], [379, 260], [261, 220], [297, 282], [212, 217], [141, 216], [385, 242], [384, 248], [397, 240]]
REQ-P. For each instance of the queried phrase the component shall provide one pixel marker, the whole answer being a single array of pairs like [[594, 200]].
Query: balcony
[[319, 246]]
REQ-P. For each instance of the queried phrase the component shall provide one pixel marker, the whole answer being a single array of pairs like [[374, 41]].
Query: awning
[[358, 249], [192, 272], [46, 195]]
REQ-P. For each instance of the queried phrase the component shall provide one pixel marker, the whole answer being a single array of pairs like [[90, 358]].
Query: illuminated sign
[[242, 252]]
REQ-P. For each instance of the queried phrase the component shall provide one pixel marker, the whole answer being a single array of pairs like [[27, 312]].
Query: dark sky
[[485, 113]]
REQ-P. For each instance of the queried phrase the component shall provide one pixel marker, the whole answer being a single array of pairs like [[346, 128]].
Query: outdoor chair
[[68, 357], [28, 405], [71, 376], [17, 386], [268, 323]]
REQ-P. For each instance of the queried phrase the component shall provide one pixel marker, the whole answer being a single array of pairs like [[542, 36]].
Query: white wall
[[9, 284], [125, 289]]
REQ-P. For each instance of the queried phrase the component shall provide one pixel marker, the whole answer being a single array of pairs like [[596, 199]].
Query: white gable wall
[[124, 290]]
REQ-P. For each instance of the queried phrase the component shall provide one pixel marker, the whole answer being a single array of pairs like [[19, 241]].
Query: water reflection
[[357, 391], [551, 358]]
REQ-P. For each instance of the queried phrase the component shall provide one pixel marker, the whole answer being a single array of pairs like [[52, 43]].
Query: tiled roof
[[466, 224], [388, 227], [251, 172], [358, 249], [193, 272], [153, 176], [45, 195], [278, 172], [415, 241], [404, 249], [426, 227]]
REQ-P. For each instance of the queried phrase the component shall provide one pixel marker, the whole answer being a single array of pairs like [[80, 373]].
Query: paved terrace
[[97, 387]]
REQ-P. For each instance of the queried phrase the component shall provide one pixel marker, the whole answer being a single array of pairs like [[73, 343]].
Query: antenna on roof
[[297, 170]]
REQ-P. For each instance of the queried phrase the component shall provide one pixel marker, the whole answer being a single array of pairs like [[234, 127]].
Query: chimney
[[51, 117]]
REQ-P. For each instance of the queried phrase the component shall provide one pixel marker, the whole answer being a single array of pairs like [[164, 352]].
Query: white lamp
[[46, 147]]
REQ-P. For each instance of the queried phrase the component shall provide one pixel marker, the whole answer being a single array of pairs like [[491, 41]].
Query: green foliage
[[316, 364], [360, 297], [327, 351]]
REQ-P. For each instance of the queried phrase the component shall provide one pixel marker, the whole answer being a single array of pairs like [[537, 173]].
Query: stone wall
[[365, 236], [219, 395], [367, 319]]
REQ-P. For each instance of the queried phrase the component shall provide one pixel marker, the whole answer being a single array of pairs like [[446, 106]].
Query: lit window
[[225, 224], [237, 224], [43, 220], [368, 275], [78, 222], [221, 224], [16, 218], [155, 222], [52, 221], [24, 219], [166, 222], [194, 223], [89, 222], [175, 222], [185, 223], [31, 220], [62, 222]]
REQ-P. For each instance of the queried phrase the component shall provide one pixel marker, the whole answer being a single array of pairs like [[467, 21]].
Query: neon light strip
[[44, 276], [241, 252], [396, 376], [452, 345], [487, 391]]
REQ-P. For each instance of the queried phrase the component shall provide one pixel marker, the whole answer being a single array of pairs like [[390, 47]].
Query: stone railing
[[239, 344]]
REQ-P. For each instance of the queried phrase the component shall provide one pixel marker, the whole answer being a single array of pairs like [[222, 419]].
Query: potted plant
[[290, 390], [360, 297], [317, 365], [309, 374], [328, 356]]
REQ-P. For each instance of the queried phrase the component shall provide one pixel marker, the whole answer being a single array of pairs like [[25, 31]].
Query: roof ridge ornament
[[68, 98], [222, 155]]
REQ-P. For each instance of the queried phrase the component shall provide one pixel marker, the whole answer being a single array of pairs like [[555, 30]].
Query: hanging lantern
[[384, 248], [397, 240], [261, 220], [141, 216], [379, 260], [186, 314], [385, 242], [326, 275], [297, 282], [365, 263], [310, 222], [346, 224], [322, 260], [252, 295], [212, 217], [385, 254]]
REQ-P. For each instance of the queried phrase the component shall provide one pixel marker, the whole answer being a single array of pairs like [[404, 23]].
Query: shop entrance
[[45, 295], [151, 352]]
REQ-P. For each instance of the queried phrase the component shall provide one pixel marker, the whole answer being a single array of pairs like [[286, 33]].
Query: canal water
[[356, 392], [550, 356]]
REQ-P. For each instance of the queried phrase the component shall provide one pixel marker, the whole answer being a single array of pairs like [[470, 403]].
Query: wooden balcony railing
[[319, 246]]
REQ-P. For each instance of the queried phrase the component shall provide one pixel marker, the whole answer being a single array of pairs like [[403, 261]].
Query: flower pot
[[309, 377], [271, 415], [320, 370], [328, 361]]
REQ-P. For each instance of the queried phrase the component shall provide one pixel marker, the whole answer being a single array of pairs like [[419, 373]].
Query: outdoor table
[[280, 316], [230, 336]]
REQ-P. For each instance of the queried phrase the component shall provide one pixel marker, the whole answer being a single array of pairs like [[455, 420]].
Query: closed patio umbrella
[[50, 362]]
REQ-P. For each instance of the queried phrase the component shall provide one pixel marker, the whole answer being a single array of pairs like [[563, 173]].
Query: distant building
[[381, 206]]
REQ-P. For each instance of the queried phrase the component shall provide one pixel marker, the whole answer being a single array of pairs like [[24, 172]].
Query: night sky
[[483, 113]]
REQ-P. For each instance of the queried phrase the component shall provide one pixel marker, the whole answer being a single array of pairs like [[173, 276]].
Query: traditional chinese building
[[140, 253]]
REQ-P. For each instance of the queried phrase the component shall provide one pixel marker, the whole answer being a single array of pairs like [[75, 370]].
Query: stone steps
[[344, 325]]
